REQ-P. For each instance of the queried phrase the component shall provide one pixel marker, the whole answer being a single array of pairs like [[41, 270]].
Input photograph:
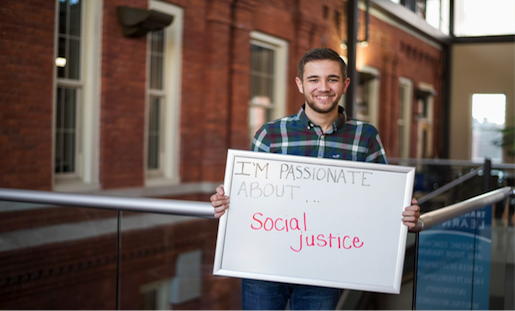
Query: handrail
[[146, 205], [194, 208], [437, 217], [450, 185], [446, 162]]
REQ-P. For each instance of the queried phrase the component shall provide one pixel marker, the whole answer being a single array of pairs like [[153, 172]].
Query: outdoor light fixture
[[423, 93], [137, 22], [60, 62]]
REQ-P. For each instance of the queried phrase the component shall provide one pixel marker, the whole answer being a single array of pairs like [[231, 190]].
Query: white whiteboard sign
[[313, 221]]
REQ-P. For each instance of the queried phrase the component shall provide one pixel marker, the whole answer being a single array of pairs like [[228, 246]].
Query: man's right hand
[[219, 201]]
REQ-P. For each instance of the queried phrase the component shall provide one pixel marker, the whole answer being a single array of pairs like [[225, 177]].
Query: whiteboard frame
[[408, 173]]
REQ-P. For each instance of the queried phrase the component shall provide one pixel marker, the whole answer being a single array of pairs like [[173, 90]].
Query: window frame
[[280, 48], [86, 176], [158, 94], [161, 290], [373, 94], [405, 114], [171, 100], [425, 121]]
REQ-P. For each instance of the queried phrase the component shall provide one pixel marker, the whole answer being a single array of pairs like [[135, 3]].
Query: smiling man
[[322, 82], [319, 129]]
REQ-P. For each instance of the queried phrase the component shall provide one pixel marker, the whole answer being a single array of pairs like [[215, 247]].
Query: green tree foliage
[[508, 140]]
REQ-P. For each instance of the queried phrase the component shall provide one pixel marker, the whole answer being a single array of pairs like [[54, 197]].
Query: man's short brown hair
[[321, 54]]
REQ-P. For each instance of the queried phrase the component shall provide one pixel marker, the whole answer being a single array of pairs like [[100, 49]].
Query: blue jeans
[[264, 295]]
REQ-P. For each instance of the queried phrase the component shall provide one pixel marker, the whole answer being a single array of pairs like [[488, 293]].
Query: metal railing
[[439, 216], [204, 209], [147, 205], [450, 185], [119, 204]]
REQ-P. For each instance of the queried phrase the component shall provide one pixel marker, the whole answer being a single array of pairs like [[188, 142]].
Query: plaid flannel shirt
[[296, 135]]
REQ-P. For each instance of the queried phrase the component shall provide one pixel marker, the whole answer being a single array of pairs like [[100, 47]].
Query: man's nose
[[324, 86]]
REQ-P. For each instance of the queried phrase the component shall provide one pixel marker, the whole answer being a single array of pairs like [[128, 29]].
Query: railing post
[[118, 259], [487, 173], [415, 272]]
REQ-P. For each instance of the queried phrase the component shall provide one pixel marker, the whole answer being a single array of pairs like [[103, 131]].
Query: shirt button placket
[[321, 146]]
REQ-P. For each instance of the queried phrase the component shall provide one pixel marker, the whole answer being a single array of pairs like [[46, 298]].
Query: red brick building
[[212, 112], [85, 108]]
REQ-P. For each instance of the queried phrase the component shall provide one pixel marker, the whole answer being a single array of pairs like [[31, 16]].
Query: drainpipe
[[352, 38]]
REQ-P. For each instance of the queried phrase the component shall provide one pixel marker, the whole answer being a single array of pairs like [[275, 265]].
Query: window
[[424, 118], [404, 121], [268, 63], [69, 87], [471, 17], [488, 118], [185, 286], [155, 154], [367, 97], [434, 12], [155, 295], [163, 99], [414, 5], [483, 18], [76, 95], [437, 14]]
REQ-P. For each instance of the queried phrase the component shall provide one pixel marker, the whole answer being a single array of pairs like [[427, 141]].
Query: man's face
[[322, 85]]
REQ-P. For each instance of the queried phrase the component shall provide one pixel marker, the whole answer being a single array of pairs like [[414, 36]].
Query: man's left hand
[[411, 214]]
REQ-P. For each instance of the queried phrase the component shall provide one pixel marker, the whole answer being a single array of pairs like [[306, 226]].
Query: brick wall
[[26, 92], [122, 101], [194, 80], [395, 54], [215, 82]]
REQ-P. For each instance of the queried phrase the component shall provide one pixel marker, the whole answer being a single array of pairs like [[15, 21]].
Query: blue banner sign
[[454, 264]]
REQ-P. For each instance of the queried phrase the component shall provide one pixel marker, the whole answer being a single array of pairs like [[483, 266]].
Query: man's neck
[[324, 120]]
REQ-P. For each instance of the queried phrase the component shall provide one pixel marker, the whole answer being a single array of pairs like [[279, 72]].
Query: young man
[[320, 129]]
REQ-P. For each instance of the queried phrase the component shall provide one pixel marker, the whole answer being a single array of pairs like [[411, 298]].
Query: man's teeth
[[323, 97]]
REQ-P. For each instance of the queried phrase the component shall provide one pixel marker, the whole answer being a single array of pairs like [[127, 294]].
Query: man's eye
[[313, 80]]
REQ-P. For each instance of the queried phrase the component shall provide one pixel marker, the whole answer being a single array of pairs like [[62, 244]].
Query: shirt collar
[[338, 124]]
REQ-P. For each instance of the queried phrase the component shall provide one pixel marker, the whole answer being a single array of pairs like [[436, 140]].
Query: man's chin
[[319, 109]]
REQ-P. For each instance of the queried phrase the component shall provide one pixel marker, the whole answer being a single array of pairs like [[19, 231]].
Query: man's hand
[[219, 201], [411, 214]]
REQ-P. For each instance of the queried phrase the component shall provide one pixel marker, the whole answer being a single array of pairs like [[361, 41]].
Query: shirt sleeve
[[376, 152], [261, 141]]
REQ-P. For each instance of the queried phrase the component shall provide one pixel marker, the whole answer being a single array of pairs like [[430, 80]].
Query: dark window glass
[[66, 130]]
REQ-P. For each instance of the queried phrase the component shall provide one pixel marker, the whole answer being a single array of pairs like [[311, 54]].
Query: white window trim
[[162, 288], [406, 115], [172, 87], [373, 105], [428, 119], [88, 102], [280, 70]]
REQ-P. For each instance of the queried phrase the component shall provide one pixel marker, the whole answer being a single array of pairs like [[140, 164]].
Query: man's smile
[[324, 97]]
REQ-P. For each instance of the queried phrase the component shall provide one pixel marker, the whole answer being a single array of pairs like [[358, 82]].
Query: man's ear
[[299, 85], [346, 83]]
